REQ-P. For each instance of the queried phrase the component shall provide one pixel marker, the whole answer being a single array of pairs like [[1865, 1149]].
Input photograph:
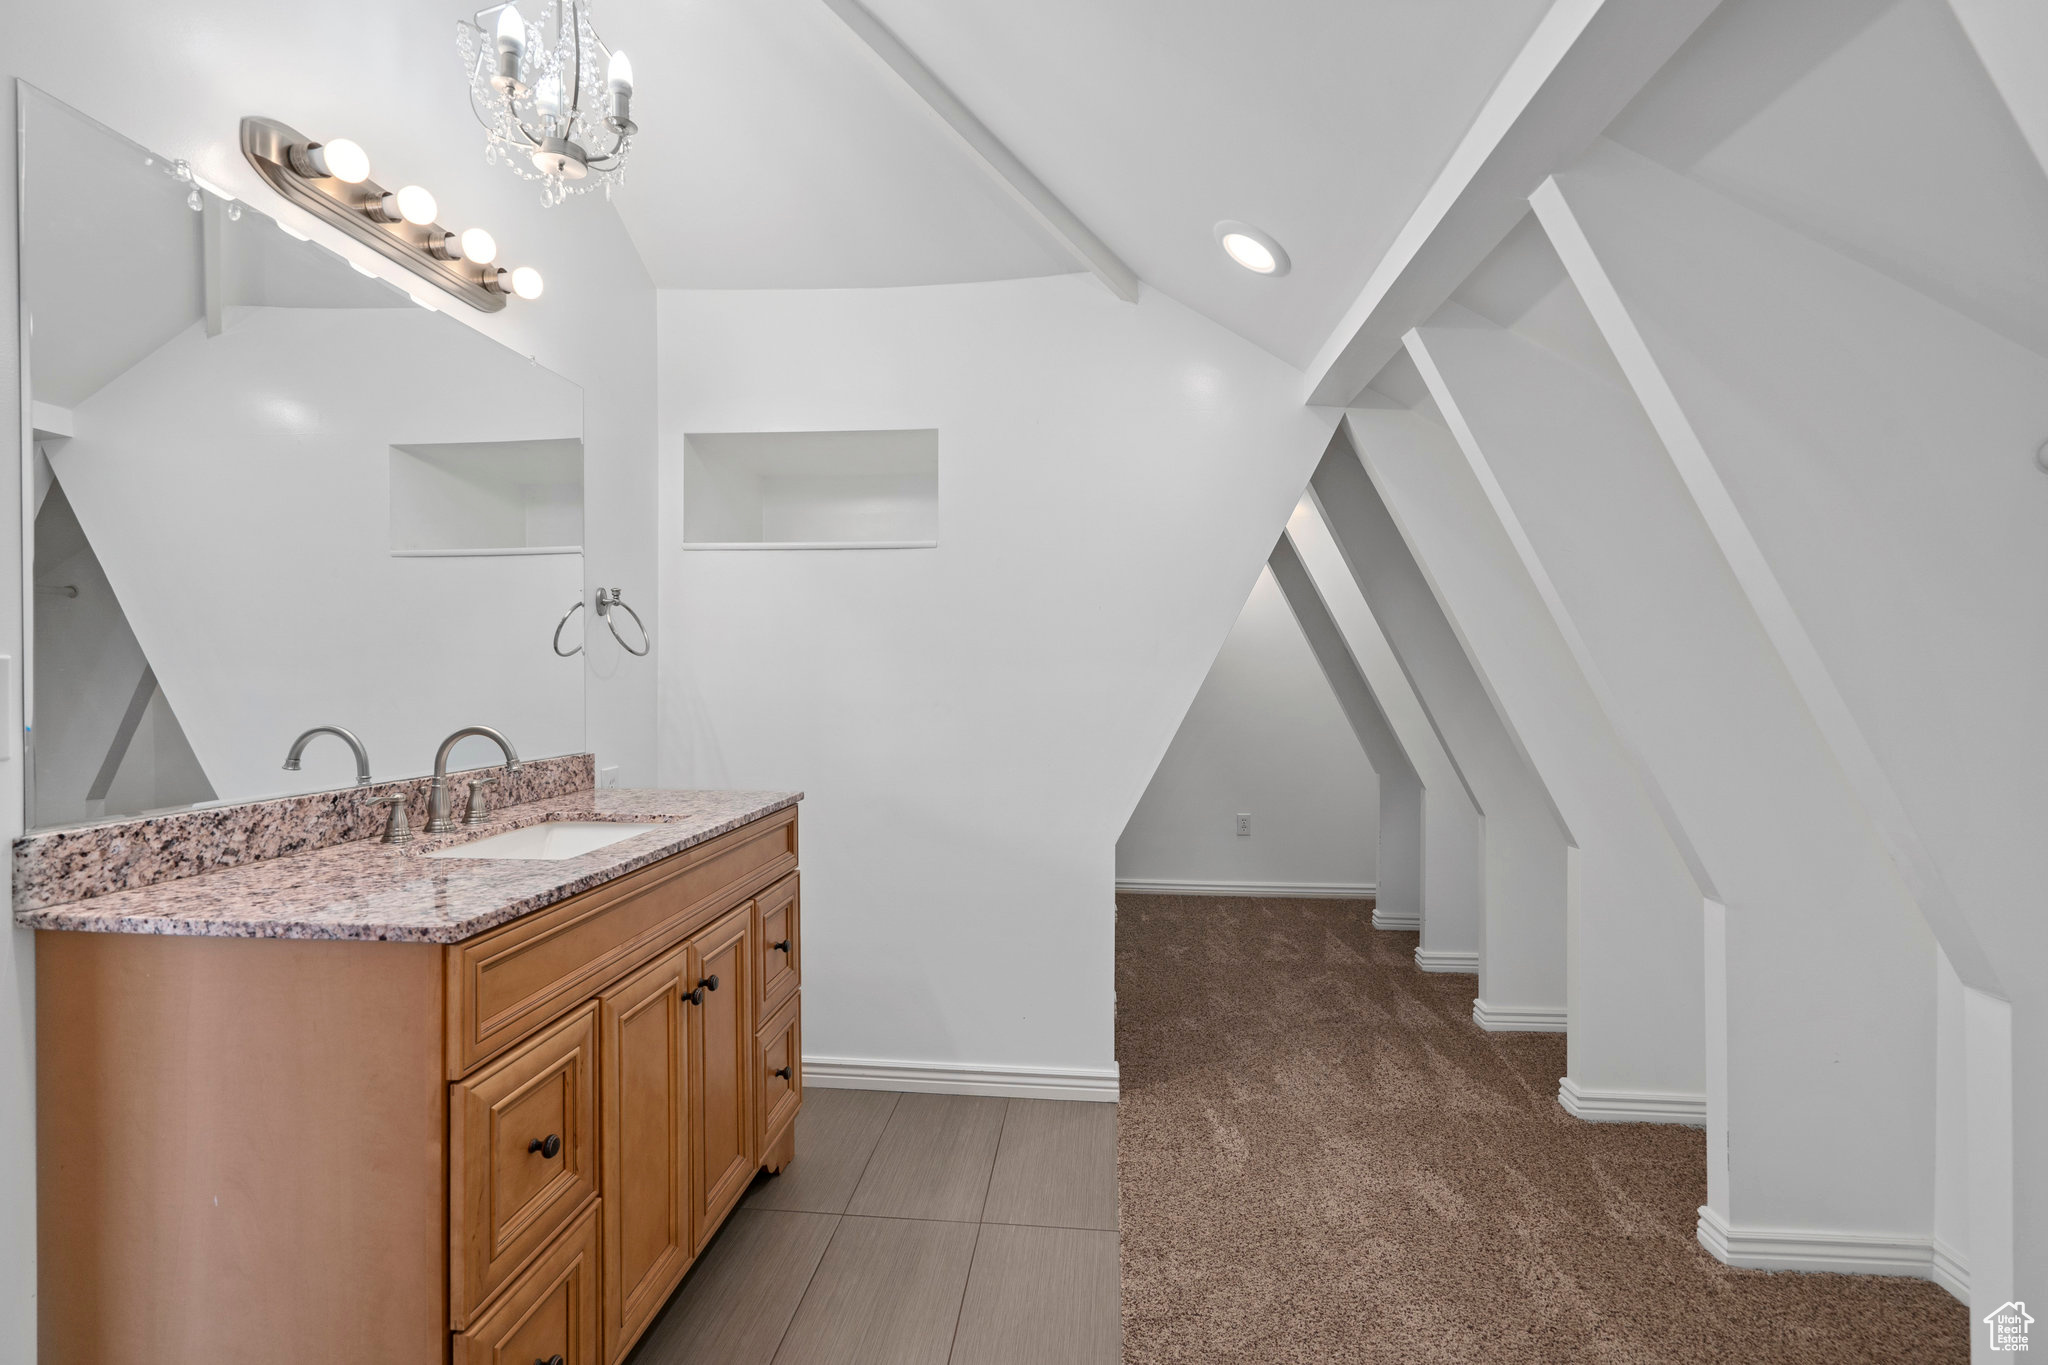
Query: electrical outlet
[[1244, 824], [608, 777]]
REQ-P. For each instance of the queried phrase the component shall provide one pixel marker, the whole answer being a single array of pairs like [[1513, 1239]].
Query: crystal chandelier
[[552, 110]]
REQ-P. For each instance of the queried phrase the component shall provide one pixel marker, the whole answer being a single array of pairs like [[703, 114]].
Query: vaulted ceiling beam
[[1045, 207], [1585, 62]]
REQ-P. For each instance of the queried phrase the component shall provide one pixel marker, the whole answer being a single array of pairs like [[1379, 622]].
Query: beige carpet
[[1321, 1158]]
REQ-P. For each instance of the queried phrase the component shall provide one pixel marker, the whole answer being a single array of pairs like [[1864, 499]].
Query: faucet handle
[[479, 811], [397, 830]]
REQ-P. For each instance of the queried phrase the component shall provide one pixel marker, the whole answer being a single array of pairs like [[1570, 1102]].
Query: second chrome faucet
[[439, 820]]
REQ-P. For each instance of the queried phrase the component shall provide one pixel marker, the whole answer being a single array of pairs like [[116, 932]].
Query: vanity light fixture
[[555, 102], [1253, 249], [332, 180]]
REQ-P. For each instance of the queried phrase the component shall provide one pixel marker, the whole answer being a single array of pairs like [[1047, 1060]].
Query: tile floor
[[914, 1230]]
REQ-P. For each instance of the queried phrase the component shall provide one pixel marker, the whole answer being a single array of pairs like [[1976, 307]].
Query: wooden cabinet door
[[722, 1047], [644, 1099]]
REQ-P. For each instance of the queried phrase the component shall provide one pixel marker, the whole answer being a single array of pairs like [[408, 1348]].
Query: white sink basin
[[553, 840]]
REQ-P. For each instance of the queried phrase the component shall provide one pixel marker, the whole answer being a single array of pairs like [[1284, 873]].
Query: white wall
[[1264, 736], [179, 79], [1522, 928], [1633, 961], [974, 723], [1452, 876]]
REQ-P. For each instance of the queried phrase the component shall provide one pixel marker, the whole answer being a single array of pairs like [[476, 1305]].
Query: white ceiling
[[778, 153]]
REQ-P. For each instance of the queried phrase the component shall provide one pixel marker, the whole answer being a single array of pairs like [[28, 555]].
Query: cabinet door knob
[[695, 997], [555, 1359], [783, 1072], [709, 983], [781, 947], [548, 1146]]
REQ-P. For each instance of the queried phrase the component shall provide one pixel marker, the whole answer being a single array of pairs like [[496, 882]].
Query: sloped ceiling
[[779, 153]]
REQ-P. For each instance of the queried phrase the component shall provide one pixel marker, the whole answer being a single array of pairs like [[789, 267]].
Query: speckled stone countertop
[[369, 890]]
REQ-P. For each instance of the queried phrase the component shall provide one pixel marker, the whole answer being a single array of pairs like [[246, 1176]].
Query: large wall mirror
[[265, 492]]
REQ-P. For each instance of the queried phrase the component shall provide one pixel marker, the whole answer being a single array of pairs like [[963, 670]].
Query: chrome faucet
[[291, 760], [438, 821]]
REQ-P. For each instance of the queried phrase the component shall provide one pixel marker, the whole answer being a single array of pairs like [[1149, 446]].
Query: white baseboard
[[1632, 1106], [939, 1078], [1517, 1018], [1843, 1253], [1405, 924], [1447, 960], [1950, 1270], [1315, 890]]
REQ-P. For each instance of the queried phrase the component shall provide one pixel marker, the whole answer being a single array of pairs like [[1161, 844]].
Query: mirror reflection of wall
[[269, 493]]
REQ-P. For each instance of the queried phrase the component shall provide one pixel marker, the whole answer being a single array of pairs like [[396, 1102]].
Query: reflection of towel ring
[[567, 653], [607, 598]]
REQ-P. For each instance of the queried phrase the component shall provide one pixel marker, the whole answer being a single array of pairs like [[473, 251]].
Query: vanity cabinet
[[507, 1149]]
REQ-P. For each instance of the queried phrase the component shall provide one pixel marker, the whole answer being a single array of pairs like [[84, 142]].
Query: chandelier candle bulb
[[619, 83], [547, 96], [511, 50]]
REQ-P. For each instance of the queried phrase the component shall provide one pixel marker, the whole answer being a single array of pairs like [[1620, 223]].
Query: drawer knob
[[695, 997], [547, 1146], [781, 947], [555, 1359], [783, 1072], [709, 983]]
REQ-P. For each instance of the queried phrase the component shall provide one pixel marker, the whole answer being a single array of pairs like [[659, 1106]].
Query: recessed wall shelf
[[811, 490], [457, 499]]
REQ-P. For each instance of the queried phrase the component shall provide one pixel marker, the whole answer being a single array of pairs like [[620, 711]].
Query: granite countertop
[[370, 890]]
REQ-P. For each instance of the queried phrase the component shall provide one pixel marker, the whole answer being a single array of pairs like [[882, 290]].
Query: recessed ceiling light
[[1256, 251]]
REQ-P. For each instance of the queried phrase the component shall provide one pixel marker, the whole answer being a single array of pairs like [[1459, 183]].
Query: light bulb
[[1249, 253], [1253, 248], [338, 160], [526, 282], [479, 246], [511, 31], [618, 76], [416, 205], [346, 161], [547, 95]]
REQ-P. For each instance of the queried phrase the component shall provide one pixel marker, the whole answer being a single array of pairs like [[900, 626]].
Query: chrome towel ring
[[607, 598], [567, 653]]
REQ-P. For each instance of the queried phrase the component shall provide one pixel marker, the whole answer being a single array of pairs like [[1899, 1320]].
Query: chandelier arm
[[615, 156], [574, 20], [512, 117]]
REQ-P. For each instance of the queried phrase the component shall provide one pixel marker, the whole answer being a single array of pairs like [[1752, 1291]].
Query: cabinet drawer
[[522, 1158], [779, 1050], [504, 984], [549, 1313], [781, 939]]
